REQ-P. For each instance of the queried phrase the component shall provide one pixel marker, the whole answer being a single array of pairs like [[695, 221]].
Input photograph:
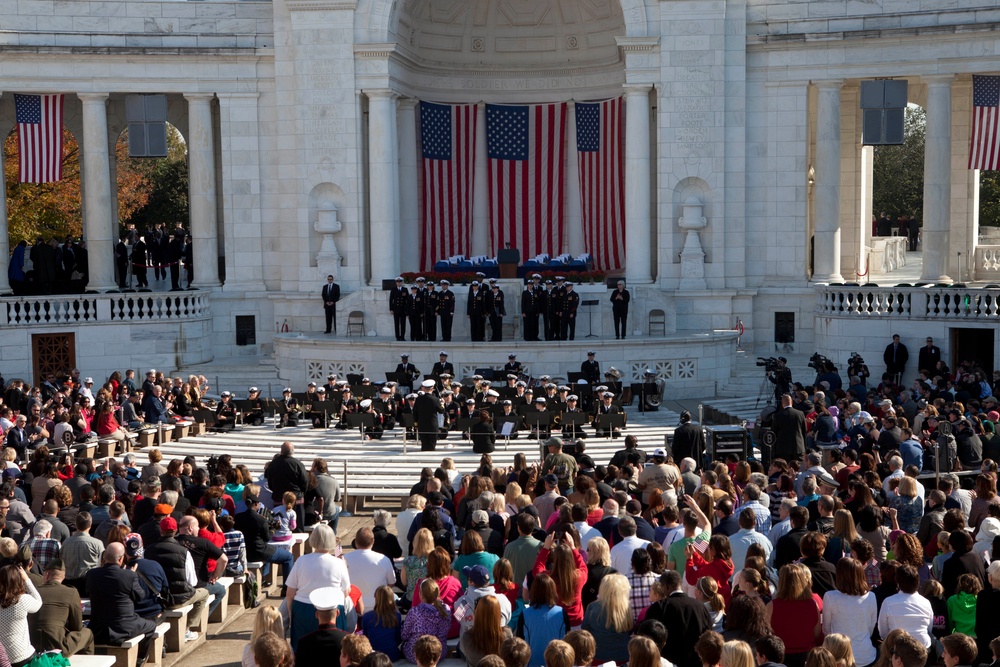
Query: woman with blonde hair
[[737, 654], [598, 567], [840, 647], [487, 632], [844, 533], [707, 591], [820, 657], [642, 652], [794, 613], [510, 494], [415, 504], [908, 505], [268, 619], [415, 565], [609, 619]]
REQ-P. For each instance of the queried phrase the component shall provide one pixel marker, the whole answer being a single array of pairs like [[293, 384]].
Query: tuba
[[653, 401], [613, 374]]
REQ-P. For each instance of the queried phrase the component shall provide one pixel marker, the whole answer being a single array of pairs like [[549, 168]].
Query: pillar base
[[103, 289], [208, 285], [937, 279], [831, 278]]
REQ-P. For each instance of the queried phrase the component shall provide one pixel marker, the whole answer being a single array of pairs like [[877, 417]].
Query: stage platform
[[387, 468], [692, 365]]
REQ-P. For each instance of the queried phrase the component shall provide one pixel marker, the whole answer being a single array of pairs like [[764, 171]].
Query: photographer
[[856, 367], [780, 376], [827, 372]]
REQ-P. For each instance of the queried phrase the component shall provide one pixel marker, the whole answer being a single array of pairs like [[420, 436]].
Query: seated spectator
[[415, 565], [427, 651], [962, 606], [385, 542], [116, 517], [58, 626], [154, 468], [486, 633], [907, 610], [152, 579], [43, 548], [368, 569], [479, 587], [113, 592], [234, 546], [383, 624], [959, 649], [18, 598], [324, 644], [963, 561], [202, 552], [430, 617], [908, 652], [559, 654], [609, 619], [81, 553], [472, 552], [449, 587], [268, 619], [257, 535], [794, 613], [182, 577], [543, 620]]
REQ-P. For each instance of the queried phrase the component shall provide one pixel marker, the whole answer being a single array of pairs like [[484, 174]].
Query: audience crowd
[[836, 557]]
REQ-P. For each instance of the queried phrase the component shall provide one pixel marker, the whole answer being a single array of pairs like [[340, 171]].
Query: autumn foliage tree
[[55, 209]]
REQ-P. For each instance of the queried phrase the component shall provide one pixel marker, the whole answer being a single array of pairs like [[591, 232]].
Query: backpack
[[250, 592]]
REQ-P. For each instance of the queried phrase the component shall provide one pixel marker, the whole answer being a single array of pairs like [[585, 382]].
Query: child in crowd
[[285, 515], [962, 605]]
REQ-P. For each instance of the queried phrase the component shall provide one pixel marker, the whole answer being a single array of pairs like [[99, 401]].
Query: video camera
[[769, 364], [818, 362]]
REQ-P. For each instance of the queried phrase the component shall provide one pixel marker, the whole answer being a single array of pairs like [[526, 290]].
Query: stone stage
[[692, 364]]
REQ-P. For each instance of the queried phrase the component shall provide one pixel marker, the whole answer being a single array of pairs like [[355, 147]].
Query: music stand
[[354, 378], [360, 420], [503, 419], [538, 419], [407, 420], [242, 407], [608, 423], [402, 379], [487, 373], [326, 408], [573, 377], [590, 317], [575, 420], [300, 397], [643, 389], [206, 417], [465, 424], [614, 387], [365, 391], [506, 392]]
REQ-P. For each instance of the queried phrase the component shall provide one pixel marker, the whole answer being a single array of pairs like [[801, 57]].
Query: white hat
[[326, 598], [367, 403], [321, 390], [660, 451], [225, 394], [253, 389], [89, 381], [493, 392], [428, 384], [442, 353], [540, 399], [286, 390], [410, 397], [312, 384], [590, 352], [572, 397], [608, 394], [385, 390]]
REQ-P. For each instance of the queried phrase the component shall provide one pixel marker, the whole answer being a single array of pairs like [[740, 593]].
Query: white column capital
[[407, 102], [379, 93], [235, 96], [194, 98], [634, 89], [93, 98], [938, 79], [829, 84]]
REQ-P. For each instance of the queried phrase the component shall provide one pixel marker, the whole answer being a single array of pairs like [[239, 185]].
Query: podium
[[508, 260]]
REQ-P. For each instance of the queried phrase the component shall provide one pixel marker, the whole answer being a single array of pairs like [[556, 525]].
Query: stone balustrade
[[987, 266], [887, 255], [60, 310], [922, 303]]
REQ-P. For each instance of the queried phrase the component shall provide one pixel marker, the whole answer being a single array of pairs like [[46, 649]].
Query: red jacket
[[718, 569], [573, 611], [107, 424]]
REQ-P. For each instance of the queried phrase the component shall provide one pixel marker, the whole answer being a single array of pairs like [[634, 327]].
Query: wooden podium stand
[[508, 260]]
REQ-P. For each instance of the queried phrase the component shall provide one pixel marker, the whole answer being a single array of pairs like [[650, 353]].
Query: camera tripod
[[766, 389]]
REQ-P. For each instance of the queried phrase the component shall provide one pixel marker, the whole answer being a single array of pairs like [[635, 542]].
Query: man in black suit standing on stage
[[331, 295]]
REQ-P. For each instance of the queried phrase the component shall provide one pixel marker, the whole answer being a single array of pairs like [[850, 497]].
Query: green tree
[[898, 171], [989, 199], [168, 197]]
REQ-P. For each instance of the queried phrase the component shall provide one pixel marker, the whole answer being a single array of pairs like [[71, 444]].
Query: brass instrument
[[615, 374]]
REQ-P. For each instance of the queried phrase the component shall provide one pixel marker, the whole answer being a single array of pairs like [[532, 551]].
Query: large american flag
[[527, 151], [984, 147], [39, 135], [448, 143], [602, 180]]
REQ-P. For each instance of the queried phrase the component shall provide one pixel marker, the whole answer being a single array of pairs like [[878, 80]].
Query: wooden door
[[52, 353]]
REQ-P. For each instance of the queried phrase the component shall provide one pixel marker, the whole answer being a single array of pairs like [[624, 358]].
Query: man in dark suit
[[286, 473], [331, 295], [58, 625], [398, 298], [497, 311], [443, 365], [787, 549], [256, 534], [684, 618], [789, 426], [929, 355], [426, 409], [620, 299], [17, 437], [689, 439], [113, 591], [411, 371], [895, 357], [590, 369], [322, 646], [475, 310]]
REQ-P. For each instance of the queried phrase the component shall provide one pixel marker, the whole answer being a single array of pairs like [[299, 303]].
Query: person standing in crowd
[[620, 299], [529, 312], [475, 310], [789, 426], [497, 311], [331, 295], [569, 306], [398, 299], [446, 309], [895, 358]]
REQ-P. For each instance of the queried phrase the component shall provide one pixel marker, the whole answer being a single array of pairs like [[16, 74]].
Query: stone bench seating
[[222, 611], [125, 655], [296, 545], [264, 582], [92, 661], [106, 447], [236, 598], [178, 620]]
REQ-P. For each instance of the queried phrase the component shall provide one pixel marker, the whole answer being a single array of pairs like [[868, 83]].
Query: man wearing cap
[[255, 410], [529, 312], [225, 414], [606, 407], [290, 415], [478, 578], [443, 366], [58, 625], [152, 579], [567, 316], [543, 292], [398, 298], [331, 295], [660, 475], [446, 309], [789, 426], [322, 646], [497, 311], [562, 465], [430, 311], [590, 369], [405, 367], [426, 410], [415, 310], [113, 591], [475, 310]]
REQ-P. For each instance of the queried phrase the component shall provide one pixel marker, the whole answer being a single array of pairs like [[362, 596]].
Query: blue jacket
[[538, 625]]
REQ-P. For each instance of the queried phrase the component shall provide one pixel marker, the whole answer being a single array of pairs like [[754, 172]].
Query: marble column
[[99, 224], [574, 242], [409, 223], [382, 191], [202, 192], [4, 239], [826, 191], [937, 180], [480, 189], [638, 244]]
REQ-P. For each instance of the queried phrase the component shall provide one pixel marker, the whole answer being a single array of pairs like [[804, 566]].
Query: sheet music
[[507, 429]]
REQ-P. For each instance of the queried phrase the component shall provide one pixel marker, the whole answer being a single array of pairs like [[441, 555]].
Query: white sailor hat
[[225, 394], [550, 385], [540, 399], [591, 353], [326, 598], [367, 403], [366, 379], [390, 384], [470, 401], [404, 356], [89, 381], [385, 390], [601, 387], [507, 402], [492, 392], [512, 356], [520, 383], [511, 376], [428, 384], [480, 273], [536, 276], [253, 390], [321, 390], [446, 376], [477, 377], [312, 384], [544, 378], [487, 383], [445, 282], [608, 394], [563, 387], [411, 397], [475, 283], [346, 390], [447, 392], [572, 397], [286, 390], [342, 383], [442, 353], [331, 376], [561, 278], [420, 279], [399, 279]]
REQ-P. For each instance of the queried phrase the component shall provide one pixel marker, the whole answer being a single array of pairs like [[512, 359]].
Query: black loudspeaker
[[509, 256], [612, 283], [388, 284]]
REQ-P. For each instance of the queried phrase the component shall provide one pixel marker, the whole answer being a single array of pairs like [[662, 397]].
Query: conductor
[[427, 408]]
